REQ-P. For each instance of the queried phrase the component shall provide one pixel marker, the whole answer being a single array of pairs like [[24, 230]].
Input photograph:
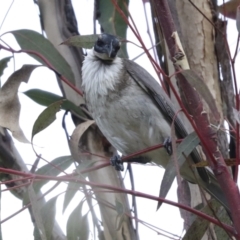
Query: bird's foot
[[116, 161], [168, 145]]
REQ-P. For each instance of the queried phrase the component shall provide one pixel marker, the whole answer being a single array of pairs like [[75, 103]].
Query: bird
[[133, 111]]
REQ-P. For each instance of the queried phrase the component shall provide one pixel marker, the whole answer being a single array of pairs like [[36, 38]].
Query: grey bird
[[132, 110]]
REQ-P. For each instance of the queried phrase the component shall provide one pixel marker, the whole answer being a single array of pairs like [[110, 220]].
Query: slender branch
[[207, 136], [135, 32], [29, 204], [121, 190], [47, 63]]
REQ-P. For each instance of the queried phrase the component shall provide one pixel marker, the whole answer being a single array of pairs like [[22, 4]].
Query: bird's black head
[[106, 47]]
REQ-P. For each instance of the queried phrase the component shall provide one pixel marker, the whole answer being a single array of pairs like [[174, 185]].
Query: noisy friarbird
[[133, 111]]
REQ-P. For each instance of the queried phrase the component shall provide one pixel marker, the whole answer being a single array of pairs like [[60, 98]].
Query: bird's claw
[[168, 145], [116, 161]]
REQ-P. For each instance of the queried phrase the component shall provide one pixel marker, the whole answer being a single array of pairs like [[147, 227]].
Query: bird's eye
[[100, 43]]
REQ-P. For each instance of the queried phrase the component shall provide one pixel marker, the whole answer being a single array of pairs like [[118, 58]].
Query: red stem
[[29, 204], [117, 189], [207, 135], [48, 64], [135, 31]]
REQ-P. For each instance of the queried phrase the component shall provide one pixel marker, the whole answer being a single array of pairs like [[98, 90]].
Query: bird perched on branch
[[133, 111]]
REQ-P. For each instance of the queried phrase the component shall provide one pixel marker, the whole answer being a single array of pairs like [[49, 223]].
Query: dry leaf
[[9, 102], [229, 162], [76, 135], [229, 9]]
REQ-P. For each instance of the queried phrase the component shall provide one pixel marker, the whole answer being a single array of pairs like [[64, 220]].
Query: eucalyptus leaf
[[72, 189], [54, 168], [238, 19], [34, 41], [184, 149], [37, 213], [119, 207], [199, 225], [3, 64], [77, 225], [9, 102], [112, 22], [46, 98], [46, 117], [48, 213], [83, 41]]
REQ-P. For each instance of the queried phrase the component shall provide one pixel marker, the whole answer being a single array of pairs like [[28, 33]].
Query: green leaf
[[112, 22], [36, 213], [184, 149], [119, 207], [72, 189], [46, 117], [77, 225], [238, 19], [83, 41], [46, 98], [54, 168], [203, 90], [3, 64], [200, 225], [34, 41], [223, 216], [48, 213], [120, 210]]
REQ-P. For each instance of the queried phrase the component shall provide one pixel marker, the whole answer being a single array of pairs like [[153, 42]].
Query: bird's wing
[[155, 91], [150, 86], [164, 104]]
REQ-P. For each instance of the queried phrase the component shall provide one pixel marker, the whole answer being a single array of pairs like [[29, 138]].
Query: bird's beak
[[110, 49]]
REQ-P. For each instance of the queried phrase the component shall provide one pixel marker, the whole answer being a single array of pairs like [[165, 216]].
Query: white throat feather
[[99, 77]]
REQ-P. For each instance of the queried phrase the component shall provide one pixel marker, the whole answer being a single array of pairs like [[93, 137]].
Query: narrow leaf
[[119, 207], [48, 213], [184, 197], [112, 22], [77, 225], [31, 40], [46, 98], [203, 90], [238, 18], [228, 9], [3, 64], [223, 216], [200, 225], [76, 135], [54, 168], [9, 102], [72, 189], [184, 149], [120, 217], [83, 41], [37, 213], [229, 162], [46, 117]]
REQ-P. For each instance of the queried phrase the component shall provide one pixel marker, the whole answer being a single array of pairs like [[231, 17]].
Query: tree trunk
[[198, 37]]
